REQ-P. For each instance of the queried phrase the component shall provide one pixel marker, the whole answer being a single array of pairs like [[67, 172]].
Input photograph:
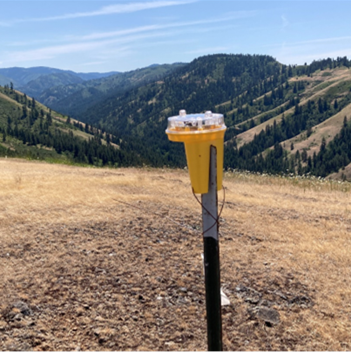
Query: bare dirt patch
[[81, 270]]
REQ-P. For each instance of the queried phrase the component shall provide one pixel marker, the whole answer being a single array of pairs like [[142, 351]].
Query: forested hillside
[[29, 129], [76, 99], [280, 119], [267, 107]]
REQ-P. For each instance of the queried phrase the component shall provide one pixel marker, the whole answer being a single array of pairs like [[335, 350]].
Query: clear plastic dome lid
[[195, 123]]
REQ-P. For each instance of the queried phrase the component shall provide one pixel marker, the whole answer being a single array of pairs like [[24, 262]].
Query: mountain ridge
[[20, 76], [280, 119], [74, 99], [253, 92]]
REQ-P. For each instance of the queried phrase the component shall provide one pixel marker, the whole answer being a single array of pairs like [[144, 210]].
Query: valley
[[280, 119]]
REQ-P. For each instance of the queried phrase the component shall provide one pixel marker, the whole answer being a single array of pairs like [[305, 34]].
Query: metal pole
[[211, 259]]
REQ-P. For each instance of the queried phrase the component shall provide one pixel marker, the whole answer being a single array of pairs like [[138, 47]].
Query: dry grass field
[[80, 270]]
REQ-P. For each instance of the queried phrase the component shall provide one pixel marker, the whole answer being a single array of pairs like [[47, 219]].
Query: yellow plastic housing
[[197, 149]]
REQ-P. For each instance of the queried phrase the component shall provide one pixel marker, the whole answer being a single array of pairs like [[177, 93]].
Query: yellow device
[[199, 132]]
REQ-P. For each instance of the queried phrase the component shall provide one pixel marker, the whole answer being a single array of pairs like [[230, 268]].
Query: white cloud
[[101, 35], [208, 50], [300, 44], [4, 24], [321, 41], [92, 63], [107, 10], [107, 44], [285, 21], [309, 51], [54, 51], [28, 42], [51, 52]]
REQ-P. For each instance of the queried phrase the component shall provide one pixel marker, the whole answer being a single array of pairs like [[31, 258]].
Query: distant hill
[[74, 99], [20, 76], [35, 87], [86, 76]]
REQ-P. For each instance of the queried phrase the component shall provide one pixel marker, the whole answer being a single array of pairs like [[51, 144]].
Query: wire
[[218, 216], [179, 224]]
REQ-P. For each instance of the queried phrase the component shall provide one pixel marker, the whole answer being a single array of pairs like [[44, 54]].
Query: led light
[[195, 123]]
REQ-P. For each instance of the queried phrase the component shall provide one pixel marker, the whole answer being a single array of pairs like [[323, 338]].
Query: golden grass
[[291, 235], [4, 96], [310, 94]]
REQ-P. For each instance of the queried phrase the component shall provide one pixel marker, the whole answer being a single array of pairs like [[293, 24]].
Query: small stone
[[3, 325], [252, 300], [268, 315], [23, 308]]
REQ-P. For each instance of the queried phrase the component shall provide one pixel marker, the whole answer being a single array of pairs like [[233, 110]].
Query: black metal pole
[[211, 259]]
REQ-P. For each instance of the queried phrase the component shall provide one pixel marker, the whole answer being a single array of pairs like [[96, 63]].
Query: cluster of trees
[[33, 127], [255, 157], [335, 155]]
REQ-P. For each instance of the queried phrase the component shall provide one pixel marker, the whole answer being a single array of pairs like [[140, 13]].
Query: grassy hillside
[[96, 259]]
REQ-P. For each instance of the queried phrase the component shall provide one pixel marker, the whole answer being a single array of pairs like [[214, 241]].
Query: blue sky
[[101, 36]]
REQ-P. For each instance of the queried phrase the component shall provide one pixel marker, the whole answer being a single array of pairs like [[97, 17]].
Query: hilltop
[[97, 259]]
